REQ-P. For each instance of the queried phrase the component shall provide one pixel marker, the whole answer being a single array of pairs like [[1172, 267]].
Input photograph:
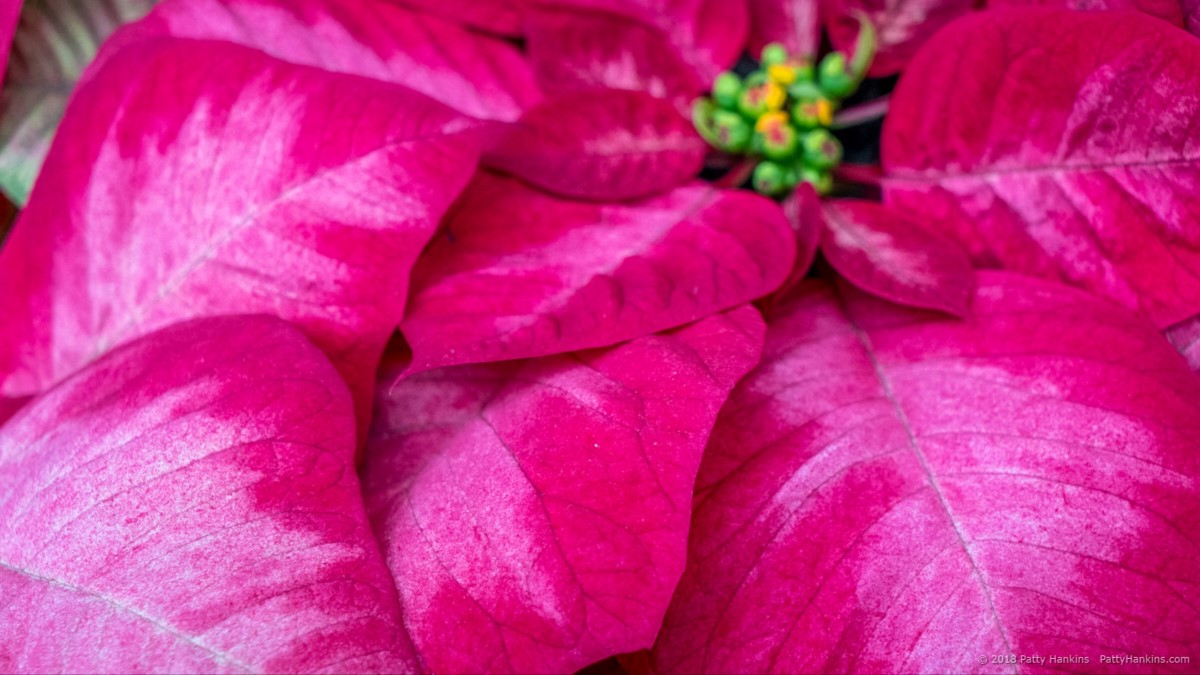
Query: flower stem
[[739, 174], [862, 174], [861, 114]]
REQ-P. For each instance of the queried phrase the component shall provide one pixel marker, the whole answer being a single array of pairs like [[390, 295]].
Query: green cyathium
[[780, 114]]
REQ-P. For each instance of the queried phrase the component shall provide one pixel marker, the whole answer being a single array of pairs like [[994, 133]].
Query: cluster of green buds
[[781, 114]]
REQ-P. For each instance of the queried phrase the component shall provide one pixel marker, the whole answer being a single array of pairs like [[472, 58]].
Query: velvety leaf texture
[[536, 512], [55, 40], [520, 273], [476, 75], [602, 145], [1066, 149], [902, 27], [895, 491], [883, 251], [573, 51], [188, 503], [204, 178]]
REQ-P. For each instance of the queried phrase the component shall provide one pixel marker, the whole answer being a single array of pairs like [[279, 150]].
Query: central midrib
[[886, 385], [131, 611]]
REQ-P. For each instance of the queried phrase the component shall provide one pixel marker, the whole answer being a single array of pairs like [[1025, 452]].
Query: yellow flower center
[[770, 122]]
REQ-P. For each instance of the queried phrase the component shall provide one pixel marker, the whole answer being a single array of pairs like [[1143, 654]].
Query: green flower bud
[[835, 78], [779, 137], [770, 179], [813, 113], [727, 90], [702, 118], [761, 96], [821, 150], [732, 131], [822, 181], [774, 54]]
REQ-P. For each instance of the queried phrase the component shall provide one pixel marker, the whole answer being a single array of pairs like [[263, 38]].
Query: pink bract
[[708, 34], [895, 491], [474, 74], [902, 26], [603, 145], [885, 252], [535, 514], [796, 24], [1067, 152], [188, 503], [573, 51], [246, 184], [519, 273]]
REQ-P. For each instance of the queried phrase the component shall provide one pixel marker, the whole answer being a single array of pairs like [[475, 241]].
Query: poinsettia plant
[[707, 336]]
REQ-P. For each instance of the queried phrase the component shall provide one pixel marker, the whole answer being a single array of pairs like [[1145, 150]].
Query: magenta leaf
[[474, 74], [573, 51], [602, 145], [708, 34], [796, 24], [246, 184], [536, 513], [1075, 160], [896, 491], [1168, 10], [188, 503], [883, 251], [902, 26], [521, 273]]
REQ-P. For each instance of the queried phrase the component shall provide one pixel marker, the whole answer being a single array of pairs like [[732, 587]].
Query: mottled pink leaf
[[893, 491], [1186, 338], [474, 74], [902, 26], [536, 513], [884, 251], [709, 34], [1168, 10], [602, 145], [1067, 148], [520, 273], [188, 503], [197, 178], [572, 51], [794, 23]]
